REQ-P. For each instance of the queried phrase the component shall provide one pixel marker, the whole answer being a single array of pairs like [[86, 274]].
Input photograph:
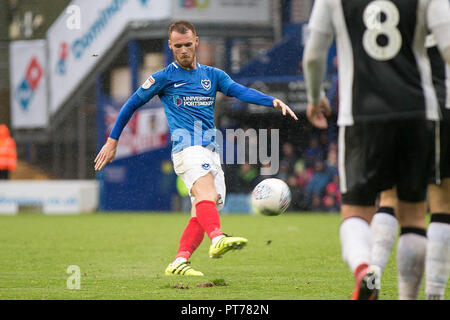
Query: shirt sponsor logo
[[206, 84], [191, 101], [198, 101], [176, 85]]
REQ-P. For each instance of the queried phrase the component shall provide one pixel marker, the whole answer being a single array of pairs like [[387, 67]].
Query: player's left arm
[[438, 19], [249, 95]]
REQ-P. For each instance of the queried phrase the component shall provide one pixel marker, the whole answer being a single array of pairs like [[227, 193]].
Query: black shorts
[[441, 154], [376, 156]]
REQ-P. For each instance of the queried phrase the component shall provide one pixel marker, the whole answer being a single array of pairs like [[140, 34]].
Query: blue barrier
[[237, 203]]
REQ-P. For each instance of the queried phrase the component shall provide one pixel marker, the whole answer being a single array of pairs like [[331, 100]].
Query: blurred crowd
[[312, 175], [308, 167]]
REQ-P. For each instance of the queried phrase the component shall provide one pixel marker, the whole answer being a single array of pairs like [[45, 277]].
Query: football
[[271, 197]]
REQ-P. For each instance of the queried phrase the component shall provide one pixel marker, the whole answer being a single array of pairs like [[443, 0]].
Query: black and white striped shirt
[[384, 69]]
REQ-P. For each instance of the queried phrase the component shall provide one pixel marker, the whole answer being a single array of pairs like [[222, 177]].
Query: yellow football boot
[[182, 269], [226, 244]]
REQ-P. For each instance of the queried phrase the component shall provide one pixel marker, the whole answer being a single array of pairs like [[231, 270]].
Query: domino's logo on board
[[25, 91]]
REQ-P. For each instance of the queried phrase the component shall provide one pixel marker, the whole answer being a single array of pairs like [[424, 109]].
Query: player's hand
[[316, 113], [106, 154], [278, 104]]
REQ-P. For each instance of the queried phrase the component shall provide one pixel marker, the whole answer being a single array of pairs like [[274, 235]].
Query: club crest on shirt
[[206, 84], [148, 83]]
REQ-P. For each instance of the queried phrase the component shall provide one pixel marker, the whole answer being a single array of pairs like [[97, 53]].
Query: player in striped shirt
[[434, 257], [387, 108]]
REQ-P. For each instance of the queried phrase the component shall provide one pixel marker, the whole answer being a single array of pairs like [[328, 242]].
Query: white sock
[[356, 242], [215, 239], [384, 228], [178, 260], [437, 262], [411, 251]]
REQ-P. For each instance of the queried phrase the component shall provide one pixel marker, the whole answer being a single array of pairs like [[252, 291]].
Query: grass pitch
[[123, 256]]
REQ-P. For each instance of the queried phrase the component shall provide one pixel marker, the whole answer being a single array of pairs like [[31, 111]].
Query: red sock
[[191, 238], [208, 217]]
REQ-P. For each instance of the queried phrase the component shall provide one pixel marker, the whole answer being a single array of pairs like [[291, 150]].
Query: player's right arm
[[438, 20], [314, 59], [148, 90]]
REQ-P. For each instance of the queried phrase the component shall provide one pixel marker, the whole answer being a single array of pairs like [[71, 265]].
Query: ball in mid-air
[[271, 197]]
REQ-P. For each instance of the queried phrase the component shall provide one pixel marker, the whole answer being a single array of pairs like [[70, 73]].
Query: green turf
[[123, 256]]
